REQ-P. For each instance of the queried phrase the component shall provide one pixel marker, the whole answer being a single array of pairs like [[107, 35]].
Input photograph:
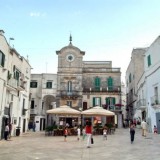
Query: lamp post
[[81, 109], [10, 39]]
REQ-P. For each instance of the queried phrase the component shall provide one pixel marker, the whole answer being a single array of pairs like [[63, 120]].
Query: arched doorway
[[48, 102]]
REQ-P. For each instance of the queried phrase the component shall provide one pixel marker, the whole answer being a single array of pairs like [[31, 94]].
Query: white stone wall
[[12, 96]]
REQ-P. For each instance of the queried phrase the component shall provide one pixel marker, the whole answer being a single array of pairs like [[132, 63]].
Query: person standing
[[88, 133], [65, 134], [155, 130], [78, 133], [6, 132], [34, 126], [132, 132], [84, 133], [105, 133], [144, 128]]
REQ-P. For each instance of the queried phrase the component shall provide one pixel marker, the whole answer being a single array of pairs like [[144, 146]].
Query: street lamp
[[11, 39], [81, 109]]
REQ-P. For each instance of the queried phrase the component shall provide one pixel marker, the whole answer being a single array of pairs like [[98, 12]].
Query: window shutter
[[100, 100], [94, 101], [3, 60], [114, 101], [110, 84], [107, 101]]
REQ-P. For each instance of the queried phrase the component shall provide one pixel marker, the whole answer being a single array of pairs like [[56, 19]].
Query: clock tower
[[69, 76]]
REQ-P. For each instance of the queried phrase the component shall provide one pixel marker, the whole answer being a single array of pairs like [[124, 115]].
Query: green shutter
[[110, 83], [114, 101], [107, 101], [149, 60], [93, 101], [97, 83]]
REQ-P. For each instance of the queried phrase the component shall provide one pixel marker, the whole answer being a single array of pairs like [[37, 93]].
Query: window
[[156, 95], [2, 59], [42, 105], [110, 102], [149, 60], [69, 86], [69, 103], [130, 78], [16, 73], [97, 83], [96, 101], [110, 84], [33, 84], [32, 104], [49, 85], [23, 107]]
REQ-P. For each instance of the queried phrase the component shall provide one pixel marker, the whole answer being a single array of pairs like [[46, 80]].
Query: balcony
[[11, 84], [114, 108], [69, 95], [21, 85], [102, 89], [155, 102], [141, 104]]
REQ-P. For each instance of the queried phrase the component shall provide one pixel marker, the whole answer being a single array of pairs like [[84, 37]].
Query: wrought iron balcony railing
[[102, 89], [69, 93]]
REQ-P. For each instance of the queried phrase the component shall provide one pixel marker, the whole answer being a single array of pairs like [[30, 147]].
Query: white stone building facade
[[149, 87], [15, 73]]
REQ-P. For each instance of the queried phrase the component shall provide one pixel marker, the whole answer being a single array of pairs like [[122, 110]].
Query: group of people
[[144, 127], [86, 133]]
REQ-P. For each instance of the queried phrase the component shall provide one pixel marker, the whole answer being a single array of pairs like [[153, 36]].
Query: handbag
[[92, 141]]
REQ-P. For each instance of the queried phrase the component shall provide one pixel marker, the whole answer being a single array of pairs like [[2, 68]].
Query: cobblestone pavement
[[35, 145]]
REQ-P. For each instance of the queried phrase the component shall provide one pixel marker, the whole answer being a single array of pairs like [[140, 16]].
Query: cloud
[[37, 14]]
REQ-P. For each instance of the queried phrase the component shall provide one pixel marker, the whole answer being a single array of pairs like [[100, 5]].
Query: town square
[[79, 80]]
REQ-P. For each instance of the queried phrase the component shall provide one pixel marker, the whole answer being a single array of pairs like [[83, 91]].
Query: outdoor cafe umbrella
[[64, 110], [97, 111]]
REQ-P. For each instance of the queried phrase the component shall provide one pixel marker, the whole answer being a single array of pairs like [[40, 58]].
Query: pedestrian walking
[[78, 133], [132, 132], [65, 134], [144, 128], [88, 130], [6, 132]]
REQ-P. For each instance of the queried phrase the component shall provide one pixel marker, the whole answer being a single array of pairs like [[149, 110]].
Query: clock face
[[70, 57]]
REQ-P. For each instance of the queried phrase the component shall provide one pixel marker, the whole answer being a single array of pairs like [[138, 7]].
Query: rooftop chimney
[[2, 32]]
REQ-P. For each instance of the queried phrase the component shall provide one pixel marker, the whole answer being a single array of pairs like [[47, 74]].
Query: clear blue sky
[[105, 29]]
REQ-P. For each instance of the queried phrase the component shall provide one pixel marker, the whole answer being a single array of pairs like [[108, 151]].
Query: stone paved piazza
[[31, 146]]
